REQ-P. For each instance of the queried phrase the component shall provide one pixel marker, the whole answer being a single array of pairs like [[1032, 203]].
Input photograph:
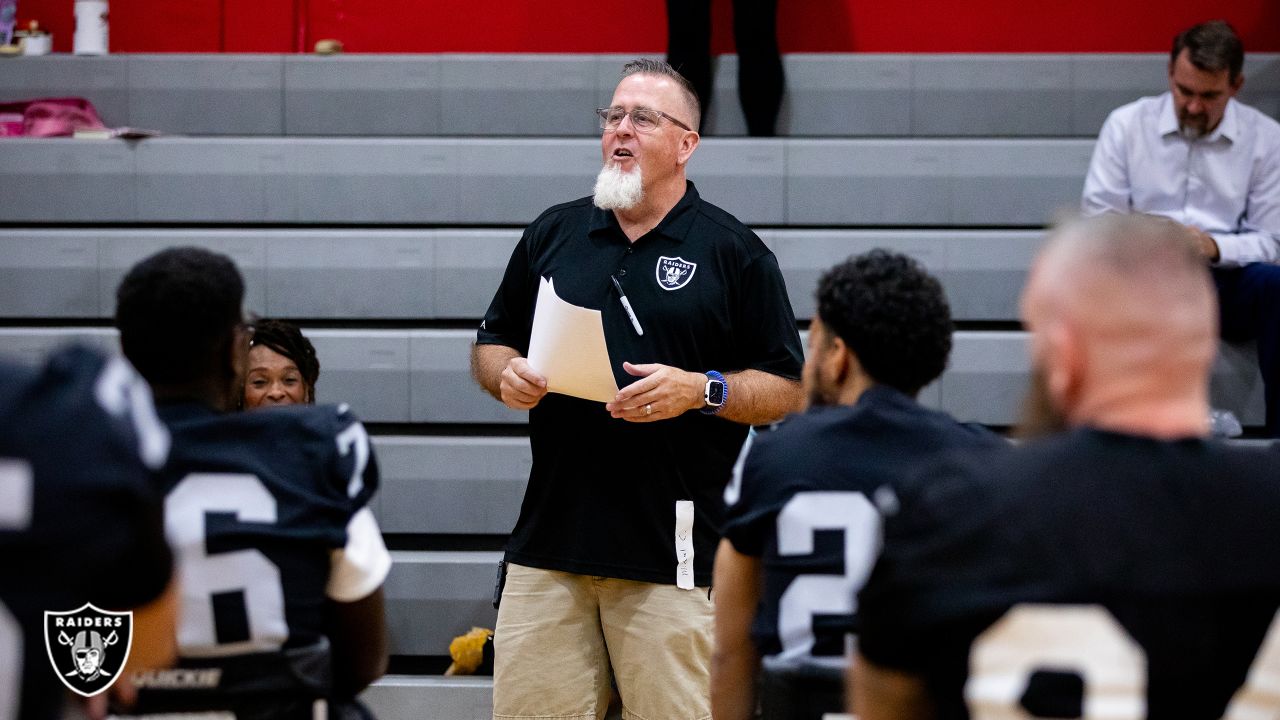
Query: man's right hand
[[1208, 246], [521, 386]]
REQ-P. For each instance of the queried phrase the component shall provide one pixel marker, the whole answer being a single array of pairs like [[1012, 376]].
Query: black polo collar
[[674, 226]]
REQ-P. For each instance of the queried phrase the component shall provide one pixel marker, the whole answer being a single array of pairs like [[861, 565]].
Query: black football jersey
[[80, 518], [1090, 575], [255, 504], [802, 500]]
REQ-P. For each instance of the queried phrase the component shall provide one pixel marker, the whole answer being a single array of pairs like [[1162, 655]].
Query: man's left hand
[[662, 392]]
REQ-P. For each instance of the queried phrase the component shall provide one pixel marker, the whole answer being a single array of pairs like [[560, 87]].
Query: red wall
[[640, 25]]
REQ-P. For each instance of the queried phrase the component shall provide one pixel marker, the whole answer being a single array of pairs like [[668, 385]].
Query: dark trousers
[[755, 32], [1249, 303]]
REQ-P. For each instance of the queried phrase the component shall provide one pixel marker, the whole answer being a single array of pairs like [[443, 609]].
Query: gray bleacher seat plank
[[985, 271], [986, 378], [834, 95], [981, 271], [742, 177], [451, 485], [468, 269], [31, 345], [416, 697], [1262, 82], [207, 94], [367, 369], [215, 180], [441, 386], [103, 81], [868, 182], [48, 274], [1016, 182], [65, 180], [362, 95], [120, 250], [377, 180], [513, 181], [370, 274], [432, 597], [518, 95], [370, 370], [1102, 83], [386, 274], [828, 94], [804, 255], [993, 95]]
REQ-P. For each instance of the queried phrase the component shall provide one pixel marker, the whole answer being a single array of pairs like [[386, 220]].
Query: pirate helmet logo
[[88, 647], [674, 272]]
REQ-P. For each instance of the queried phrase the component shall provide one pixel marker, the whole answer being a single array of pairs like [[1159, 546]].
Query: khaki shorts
[[559, 633]]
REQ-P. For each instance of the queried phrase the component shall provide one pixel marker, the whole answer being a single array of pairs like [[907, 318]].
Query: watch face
[[715, 392]]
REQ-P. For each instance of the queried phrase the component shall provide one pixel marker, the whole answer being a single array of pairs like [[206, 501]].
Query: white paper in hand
[[567, 348]]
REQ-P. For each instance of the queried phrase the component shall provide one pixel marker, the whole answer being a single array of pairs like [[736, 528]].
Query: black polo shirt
[[602, 494]]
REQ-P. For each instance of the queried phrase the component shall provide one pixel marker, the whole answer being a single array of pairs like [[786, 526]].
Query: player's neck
[[854, 387]]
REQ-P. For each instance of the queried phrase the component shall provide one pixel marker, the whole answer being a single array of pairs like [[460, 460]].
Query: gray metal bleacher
[[488, 181], [377, 198], [422, 376], [828, 94]]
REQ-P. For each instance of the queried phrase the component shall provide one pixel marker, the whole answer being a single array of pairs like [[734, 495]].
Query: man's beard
[[816, 390], [1193, 127], [1039, 416], [617, 190]]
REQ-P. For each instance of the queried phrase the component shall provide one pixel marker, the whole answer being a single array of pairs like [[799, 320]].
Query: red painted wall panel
[[637, 26], [149, 26]]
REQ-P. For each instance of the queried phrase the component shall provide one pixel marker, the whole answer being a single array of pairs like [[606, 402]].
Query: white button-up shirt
[[1226, 183]]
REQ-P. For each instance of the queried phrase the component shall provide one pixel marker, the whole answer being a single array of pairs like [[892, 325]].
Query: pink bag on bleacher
[[48, 117]]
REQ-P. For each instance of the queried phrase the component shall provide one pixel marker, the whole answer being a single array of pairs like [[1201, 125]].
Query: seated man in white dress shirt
[[1198, 156]]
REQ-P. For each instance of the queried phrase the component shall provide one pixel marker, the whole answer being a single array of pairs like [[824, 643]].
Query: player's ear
[[688, 143], [844, 363], [1064, 365]]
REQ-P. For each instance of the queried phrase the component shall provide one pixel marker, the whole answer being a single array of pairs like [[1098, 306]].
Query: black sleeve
[[142, 563], [354, 469], [750, 519], [766, 325], [509, 319]]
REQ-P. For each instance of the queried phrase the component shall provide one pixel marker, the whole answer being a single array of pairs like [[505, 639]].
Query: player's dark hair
[[287, 339], [1214, 47], [177, 312], [892, 314], [649, 66]]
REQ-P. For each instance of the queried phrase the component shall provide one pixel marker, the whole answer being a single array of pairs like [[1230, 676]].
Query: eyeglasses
[[642, 119]]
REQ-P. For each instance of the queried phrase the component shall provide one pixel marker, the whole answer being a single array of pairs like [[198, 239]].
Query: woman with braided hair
[[282, 368]]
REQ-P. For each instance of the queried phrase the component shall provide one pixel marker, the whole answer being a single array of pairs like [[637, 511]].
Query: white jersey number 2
[[808, 595], [204, 575], [1087, 640]]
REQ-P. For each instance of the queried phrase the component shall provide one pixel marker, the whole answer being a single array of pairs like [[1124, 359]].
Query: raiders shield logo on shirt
[[674, 273], [88, 647]]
